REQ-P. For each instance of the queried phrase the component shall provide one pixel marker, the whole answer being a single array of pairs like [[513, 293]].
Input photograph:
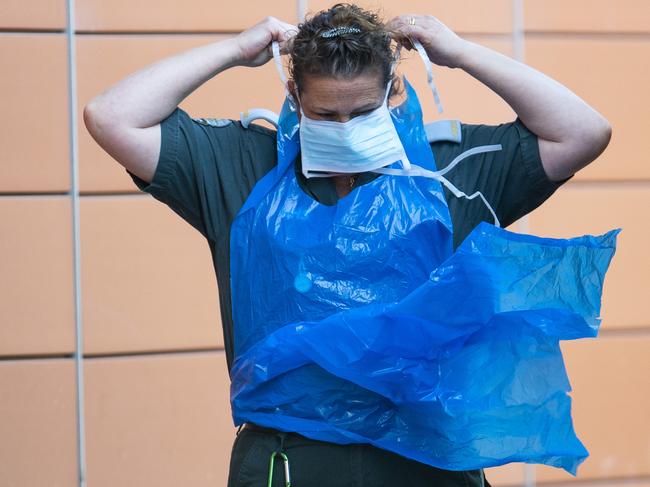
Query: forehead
[[341, 94]]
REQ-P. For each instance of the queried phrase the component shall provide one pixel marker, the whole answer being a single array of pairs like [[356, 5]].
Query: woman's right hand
[[254, 43]]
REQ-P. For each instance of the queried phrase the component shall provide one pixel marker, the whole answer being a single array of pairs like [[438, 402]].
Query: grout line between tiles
[[36, 31], [159, 353], [125, 354], [604, 482], [593, 35]]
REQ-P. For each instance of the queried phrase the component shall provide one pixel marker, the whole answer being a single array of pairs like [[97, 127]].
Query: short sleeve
[[512, 179], [526, 185], [207, 168]]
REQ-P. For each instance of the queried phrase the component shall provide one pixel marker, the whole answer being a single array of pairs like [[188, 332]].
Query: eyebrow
[[363, 108]]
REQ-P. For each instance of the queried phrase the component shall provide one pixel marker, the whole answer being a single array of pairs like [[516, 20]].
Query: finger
[[282, 30], [405, 23], [290, 27], [287, 33], [417, 32], [284, 47], [404, 34], [268, 50], [405, 20], [284, 42], [397, 26], [281, 33], [393, 23]]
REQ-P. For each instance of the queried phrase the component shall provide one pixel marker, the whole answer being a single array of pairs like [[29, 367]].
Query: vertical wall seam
[[518, 30], [519, 53], [301, 5], [74, 194]]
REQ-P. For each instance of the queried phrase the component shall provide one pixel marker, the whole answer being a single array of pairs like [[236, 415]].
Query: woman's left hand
[[443, 46]]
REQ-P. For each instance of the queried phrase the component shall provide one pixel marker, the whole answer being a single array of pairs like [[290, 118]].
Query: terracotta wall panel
[[578, 209], [462, 96], [32, 14], [462, 16], [599, 483], [105, 60], [587, 15], [34, 151], [167, 15], [147, 278], [612, 76], [611, 391], [36, 287], [158, 420], [510, 474], [38, 423]]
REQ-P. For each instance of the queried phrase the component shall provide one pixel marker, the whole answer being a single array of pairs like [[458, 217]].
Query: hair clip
[[340, 30]]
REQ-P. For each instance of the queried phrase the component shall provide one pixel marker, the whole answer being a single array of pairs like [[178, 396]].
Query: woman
[[341, 70]]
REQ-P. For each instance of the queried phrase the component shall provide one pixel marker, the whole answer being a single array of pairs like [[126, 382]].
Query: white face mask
[[361, 144]]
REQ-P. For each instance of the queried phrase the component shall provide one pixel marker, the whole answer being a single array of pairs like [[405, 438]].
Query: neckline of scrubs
[[327, 192]]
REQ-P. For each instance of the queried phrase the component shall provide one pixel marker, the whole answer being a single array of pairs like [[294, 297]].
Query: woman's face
[[339, 99]]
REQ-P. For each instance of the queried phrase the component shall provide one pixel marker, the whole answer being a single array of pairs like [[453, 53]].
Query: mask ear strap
[[439, 175], [277, 58], [393, 67], [398, 56], [427, 65], [275, 48]]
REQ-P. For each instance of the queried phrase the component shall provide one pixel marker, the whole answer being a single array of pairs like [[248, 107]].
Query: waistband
[[291, 435], [262, 429]]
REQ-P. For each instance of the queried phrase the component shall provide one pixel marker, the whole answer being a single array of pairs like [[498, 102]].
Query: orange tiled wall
[[155, 387]]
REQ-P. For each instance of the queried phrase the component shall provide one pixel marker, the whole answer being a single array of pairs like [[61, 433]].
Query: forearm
[[547, 108], [149, 95]]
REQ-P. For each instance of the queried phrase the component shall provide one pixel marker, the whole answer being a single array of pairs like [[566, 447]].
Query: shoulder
[[461, 136], [180, 124], [253, 130], [226, 142], [219, 150], [519, 149]]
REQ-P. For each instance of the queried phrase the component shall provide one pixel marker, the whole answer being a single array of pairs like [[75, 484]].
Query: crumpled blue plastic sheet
[[463, 373]]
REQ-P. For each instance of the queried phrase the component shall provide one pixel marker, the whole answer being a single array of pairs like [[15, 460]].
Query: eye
[[325, 116], [356, 114]]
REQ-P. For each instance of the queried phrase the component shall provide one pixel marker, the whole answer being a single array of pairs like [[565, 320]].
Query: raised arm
[[571, 133], [125, 119]]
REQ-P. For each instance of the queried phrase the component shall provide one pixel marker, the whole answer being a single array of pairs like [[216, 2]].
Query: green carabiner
[[287, 478]]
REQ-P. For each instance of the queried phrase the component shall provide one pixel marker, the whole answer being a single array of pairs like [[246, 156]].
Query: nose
[[343, 118]]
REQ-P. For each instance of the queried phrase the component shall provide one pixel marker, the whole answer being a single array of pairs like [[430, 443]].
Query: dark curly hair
[[343, 55]]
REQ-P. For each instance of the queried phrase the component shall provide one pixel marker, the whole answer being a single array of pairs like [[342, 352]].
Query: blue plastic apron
[[357, 323], [296, 259]]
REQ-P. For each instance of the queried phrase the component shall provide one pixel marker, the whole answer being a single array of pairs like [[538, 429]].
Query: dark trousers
[[315, 463]]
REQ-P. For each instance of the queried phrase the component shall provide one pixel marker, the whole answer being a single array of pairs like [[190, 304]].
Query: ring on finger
[[411, 20]]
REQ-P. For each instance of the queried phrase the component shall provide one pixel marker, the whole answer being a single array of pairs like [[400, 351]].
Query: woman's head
[[341, 61]]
